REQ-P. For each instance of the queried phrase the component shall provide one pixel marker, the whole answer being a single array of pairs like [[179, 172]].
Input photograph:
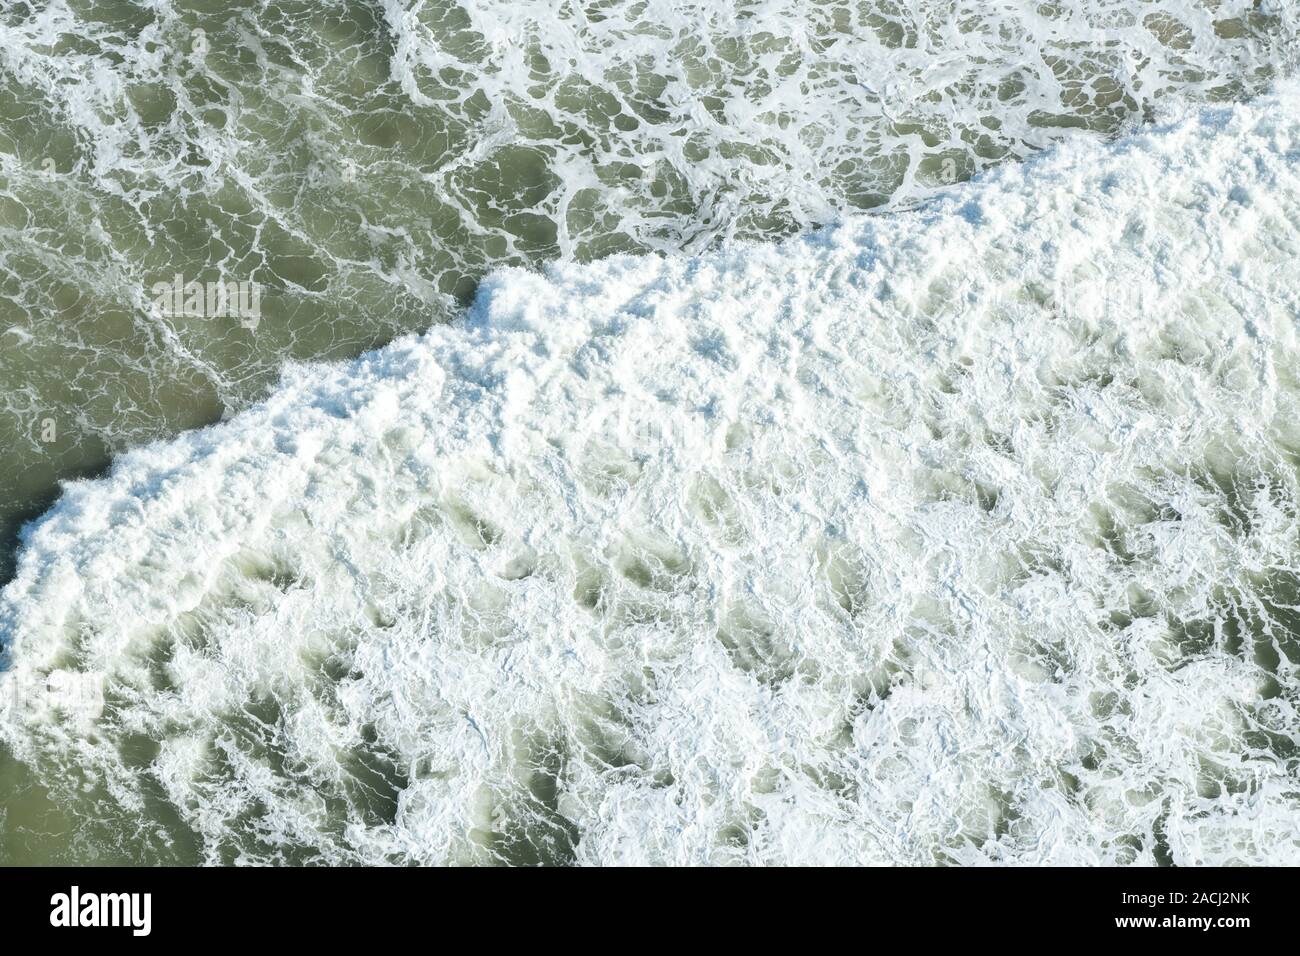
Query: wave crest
[[963, 535]]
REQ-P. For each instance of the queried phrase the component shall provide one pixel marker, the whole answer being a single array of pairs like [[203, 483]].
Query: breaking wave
[[967, 534]]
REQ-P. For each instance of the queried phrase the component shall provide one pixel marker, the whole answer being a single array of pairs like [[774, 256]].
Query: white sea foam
[[366, 163], [781, 111], [961, 535]]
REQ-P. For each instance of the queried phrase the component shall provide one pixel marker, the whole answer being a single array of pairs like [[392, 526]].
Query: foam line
[[962, 535]]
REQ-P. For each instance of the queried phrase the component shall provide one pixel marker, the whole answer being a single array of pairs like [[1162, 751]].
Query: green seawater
[[366, 164]]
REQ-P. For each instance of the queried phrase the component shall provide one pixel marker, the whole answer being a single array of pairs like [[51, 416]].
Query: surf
[[961, 535]]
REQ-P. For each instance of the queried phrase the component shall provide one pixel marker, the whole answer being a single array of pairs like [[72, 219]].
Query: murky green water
[[367, 163]]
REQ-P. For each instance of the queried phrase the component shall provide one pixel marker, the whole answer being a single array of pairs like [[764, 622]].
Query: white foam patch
[[366, 163], [962, 535], [762, 116]]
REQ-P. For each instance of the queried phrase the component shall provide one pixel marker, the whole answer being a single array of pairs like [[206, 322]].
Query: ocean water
[[755, 489], [367, 163]]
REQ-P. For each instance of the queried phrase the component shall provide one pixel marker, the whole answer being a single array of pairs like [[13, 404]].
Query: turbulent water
[[368, 162], [836, 550], [961, 531]]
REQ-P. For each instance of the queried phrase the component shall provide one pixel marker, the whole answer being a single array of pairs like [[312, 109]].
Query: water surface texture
[[962, 531], [367, 163]]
